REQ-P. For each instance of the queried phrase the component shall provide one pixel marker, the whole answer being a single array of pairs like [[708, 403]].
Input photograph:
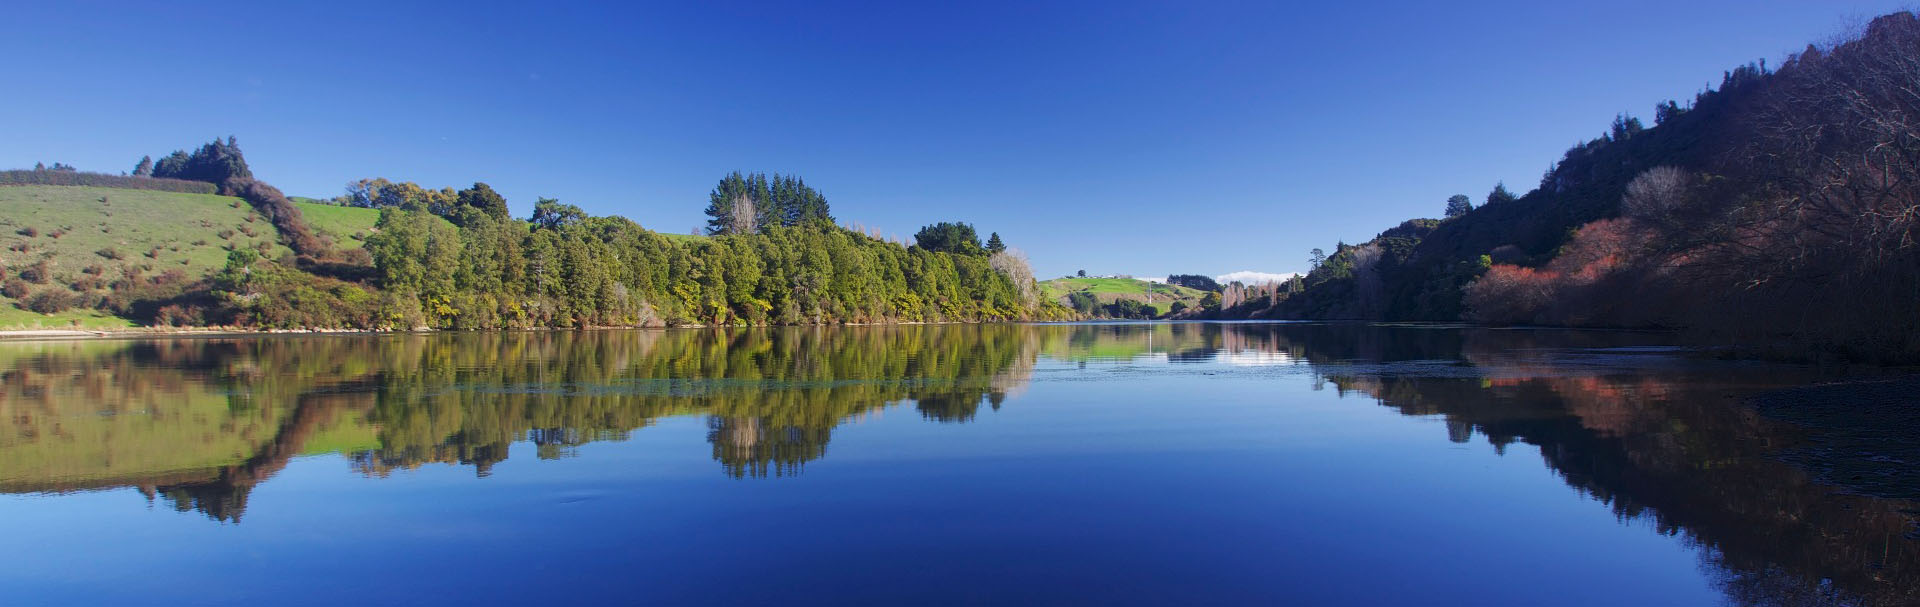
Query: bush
[[15, 288], [179, 315], [52, 301], [38, 273]]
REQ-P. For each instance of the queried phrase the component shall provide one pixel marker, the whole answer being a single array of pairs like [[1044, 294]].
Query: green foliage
[[1500, 195], [1194, 281], [780, 200], [1131, 308], [566, 269], [995, 245], [1459, 205], [950, 237], [482, 198], [216, 162], [1083, 302], [445, 259]]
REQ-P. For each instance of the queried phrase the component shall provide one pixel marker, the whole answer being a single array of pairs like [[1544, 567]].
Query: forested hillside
[[156, 247], [1781, 205]]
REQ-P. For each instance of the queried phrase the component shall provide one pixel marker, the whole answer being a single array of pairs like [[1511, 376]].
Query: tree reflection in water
[[1653, 434]]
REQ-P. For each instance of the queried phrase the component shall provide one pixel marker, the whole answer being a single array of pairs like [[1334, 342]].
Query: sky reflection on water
[[1111, 463]]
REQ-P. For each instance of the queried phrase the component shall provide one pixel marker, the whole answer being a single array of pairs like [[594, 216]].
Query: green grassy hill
[[1160, 296], [55, 236], [345, 225]]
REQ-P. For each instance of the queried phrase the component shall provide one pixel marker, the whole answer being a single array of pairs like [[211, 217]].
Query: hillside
[[90, 237], [1158, 297], [345, 225], [408, 257], [1778, 210]]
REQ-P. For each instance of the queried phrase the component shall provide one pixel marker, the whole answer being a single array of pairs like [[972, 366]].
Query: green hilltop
[[1147, 299]]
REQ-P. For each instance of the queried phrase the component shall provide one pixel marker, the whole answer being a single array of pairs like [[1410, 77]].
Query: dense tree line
[[1194, 281], [215, 162], [565, 268], [454, 259]]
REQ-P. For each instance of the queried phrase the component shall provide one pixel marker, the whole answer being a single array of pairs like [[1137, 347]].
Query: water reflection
[[1657, 436]]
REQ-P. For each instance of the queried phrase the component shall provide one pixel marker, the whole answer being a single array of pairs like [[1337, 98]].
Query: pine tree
[[995, 245], [1500, 194], [1459, 205], [144, 168]]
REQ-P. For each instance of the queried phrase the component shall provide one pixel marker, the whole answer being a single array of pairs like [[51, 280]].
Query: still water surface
[[1095, 463]]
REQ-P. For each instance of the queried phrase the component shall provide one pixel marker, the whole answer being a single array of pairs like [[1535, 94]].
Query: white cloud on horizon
[[1250, 277]]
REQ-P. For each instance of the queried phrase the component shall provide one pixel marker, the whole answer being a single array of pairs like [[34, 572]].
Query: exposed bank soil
[[1863, 436]]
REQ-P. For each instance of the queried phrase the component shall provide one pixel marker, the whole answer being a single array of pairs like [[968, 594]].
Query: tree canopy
[[779, 200], [950, 237], [215, 162]]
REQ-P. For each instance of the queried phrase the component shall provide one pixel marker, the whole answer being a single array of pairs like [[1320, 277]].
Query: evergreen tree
[[995, 245], [779, 200], [1459, 205], [1500, 194], [216, 162], [144, 168], [949, 237]]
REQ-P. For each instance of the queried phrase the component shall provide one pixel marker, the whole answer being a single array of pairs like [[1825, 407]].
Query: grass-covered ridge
[[83, 239], [1158, 297]]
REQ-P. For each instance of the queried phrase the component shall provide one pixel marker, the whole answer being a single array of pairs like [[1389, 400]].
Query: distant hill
[[1159, 298]]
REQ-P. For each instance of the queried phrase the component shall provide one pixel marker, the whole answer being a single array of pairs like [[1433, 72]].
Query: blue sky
[[1113, 137]]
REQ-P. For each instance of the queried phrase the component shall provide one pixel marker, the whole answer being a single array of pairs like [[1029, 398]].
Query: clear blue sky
[[1109, 136]]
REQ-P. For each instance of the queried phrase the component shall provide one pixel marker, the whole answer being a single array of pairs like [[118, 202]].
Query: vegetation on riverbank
[[1780, 206], [395, 255]]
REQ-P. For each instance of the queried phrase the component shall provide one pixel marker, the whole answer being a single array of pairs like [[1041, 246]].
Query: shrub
[[38, 273], [178, 315], [28, 231], [15, 288], [111, 253], [51, 301]]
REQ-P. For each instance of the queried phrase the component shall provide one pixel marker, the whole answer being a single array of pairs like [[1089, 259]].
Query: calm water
[[1129, 463]]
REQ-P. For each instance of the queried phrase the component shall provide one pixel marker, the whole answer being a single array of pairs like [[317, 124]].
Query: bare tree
[[1013, 263], [744, 217], [1655, 193]]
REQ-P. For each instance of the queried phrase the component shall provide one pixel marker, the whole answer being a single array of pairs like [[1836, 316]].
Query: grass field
[[1108, 290], [346, 225], [96, 233]]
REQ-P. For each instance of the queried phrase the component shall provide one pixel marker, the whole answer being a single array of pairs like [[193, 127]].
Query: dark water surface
[[1120, 463]]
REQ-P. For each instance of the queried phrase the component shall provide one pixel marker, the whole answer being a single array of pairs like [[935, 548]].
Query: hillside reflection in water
[[1659, 437]]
